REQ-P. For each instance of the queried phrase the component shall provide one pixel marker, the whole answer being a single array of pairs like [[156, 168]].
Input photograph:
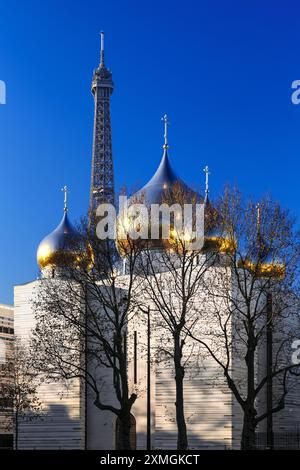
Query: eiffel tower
[[102, 179]]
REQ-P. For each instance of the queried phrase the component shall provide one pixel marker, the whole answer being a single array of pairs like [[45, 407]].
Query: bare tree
[[82, 318], [173, 274], [18, 385], [251, 300]]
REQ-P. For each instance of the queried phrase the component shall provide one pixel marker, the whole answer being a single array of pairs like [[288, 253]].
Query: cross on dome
[[166, 124], [65, 191]]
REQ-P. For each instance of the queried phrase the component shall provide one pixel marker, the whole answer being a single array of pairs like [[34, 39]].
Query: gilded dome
[[163, 180], [216, 240], [59, 247], [164, 187], [262, 260]]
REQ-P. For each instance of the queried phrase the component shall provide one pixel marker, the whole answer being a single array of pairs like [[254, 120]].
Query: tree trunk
[[248, 434], [124, 441], [249, 423], [182, 442], [16, 430], [123, 392]]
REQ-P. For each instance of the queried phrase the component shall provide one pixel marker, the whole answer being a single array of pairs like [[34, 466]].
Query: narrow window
[[135, 357]]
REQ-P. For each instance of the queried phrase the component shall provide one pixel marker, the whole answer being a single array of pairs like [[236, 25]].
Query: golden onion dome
[[60, 247], [262, 261], [214, 240], [165, 187], [273, 269], [160, 187], [63, 247]]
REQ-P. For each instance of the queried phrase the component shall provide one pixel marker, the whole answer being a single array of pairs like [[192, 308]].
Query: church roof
[[60, 245], [60, 240], [163, 179]]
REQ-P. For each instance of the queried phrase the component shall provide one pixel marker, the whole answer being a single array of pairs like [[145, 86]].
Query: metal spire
[[65, 191], [263, 250], [166, 124], [258, 217], [102, 177], [207, 173], [102, 49]]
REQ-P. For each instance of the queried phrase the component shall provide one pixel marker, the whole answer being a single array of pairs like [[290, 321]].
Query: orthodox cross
[[166, 124], [65, 191], [258, 219], [207, 173]]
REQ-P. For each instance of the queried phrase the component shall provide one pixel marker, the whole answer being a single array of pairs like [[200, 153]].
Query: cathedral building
[[71, 421], [6, 342]]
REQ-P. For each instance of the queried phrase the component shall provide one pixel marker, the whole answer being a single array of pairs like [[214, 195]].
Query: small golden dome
[[271, 269], [262, 261], [60, 247], [216, 239]]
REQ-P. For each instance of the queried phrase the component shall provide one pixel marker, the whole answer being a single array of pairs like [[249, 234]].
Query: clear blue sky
[[222, 70]]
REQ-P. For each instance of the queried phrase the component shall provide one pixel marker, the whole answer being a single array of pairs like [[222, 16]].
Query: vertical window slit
[[135, 357]]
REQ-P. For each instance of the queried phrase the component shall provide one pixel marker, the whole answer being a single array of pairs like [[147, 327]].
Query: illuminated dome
[[57, 248], [262, 261], [164, 187], [163, 180], [61, 248]]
